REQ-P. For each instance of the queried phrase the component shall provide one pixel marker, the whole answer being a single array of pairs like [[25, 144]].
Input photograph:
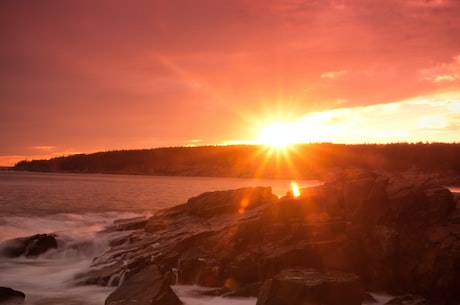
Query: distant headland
[[303, 161]]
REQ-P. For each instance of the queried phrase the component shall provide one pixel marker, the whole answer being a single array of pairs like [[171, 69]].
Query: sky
[[85, 76]]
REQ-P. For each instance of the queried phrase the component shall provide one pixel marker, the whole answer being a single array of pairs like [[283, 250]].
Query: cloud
[[443, 73], [37, 153], [44, 147], [111, 74], [194, 142], [334, 74], [454, 106], [428, 3], [404, 121], [431, 122], [446, 78]]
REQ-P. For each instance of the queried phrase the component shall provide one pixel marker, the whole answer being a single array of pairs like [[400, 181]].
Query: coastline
[[188, 238], [200, 265], [303, 161]]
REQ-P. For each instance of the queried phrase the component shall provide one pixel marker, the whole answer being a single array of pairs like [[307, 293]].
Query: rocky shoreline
[[360, 231]]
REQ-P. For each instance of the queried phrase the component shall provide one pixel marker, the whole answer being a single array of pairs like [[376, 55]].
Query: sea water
[[76, 207]]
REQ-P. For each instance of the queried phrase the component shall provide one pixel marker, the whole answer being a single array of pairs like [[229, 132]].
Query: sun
[[280, 135]]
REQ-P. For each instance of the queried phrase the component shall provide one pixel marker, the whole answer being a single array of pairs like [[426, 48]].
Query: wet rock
[[297, 287], [135, 223], [230, 290], [251, 290], [28, 246], [39, 244], [12, 248], [110, 268], [10, 296], [369, 299], [146, 287], [407, 299], [109, 275]]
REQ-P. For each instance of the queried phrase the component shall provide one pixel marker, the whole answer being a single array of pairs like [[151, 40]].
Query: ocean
[[76, 207]]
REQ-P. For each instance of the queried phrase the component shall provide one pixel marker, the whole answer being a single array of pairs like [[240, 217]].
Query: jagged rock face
[[212, 204], [298, 287], [146, 287], [28, 246], [10, 296], [389, 231], [400, 235]]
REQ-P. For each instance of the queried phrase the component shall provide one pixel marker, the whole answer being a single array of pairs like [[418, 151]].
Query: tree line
[[297, 161]]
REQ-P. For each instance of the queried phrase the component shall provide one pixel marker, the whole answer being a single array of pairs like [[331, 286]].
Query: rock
[[13, 247], [165, 218], [28, 246], [199, 268], [251, 290], [410, 239], [232, 291], [211, 204], [391, 232], [110, 268], [425, 204], [146, 287], [10, 296], [110, 275], [298, 287], [135, 223], [40, 244], [397, 230], [407, 299], [368, 299]]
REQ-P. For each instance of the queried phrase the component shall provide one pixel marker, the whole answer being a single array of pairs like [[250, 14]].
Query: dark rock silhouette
[[212, 204], [31, 246], [146, 287], [392, 233], [10, 296]]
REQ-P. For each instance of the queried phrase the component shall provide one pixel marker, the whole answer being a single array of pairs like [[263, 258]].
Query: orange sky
[[85, 76]]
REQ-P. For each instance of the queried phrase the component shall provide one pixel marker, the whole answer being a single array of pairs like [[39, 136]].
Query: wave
[[50, 277], [76, 225]]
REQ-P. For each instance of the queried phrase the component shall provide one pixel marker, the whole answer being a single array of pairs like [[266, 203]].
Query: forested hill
[[300, 161]]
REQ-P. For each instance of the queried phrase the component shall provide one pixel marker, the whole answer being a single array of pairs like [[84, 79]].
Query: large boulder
[[10, 296], [388, 229], [236, 201], [398, 231], [298, 287], [145, 287], [31, 246]]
